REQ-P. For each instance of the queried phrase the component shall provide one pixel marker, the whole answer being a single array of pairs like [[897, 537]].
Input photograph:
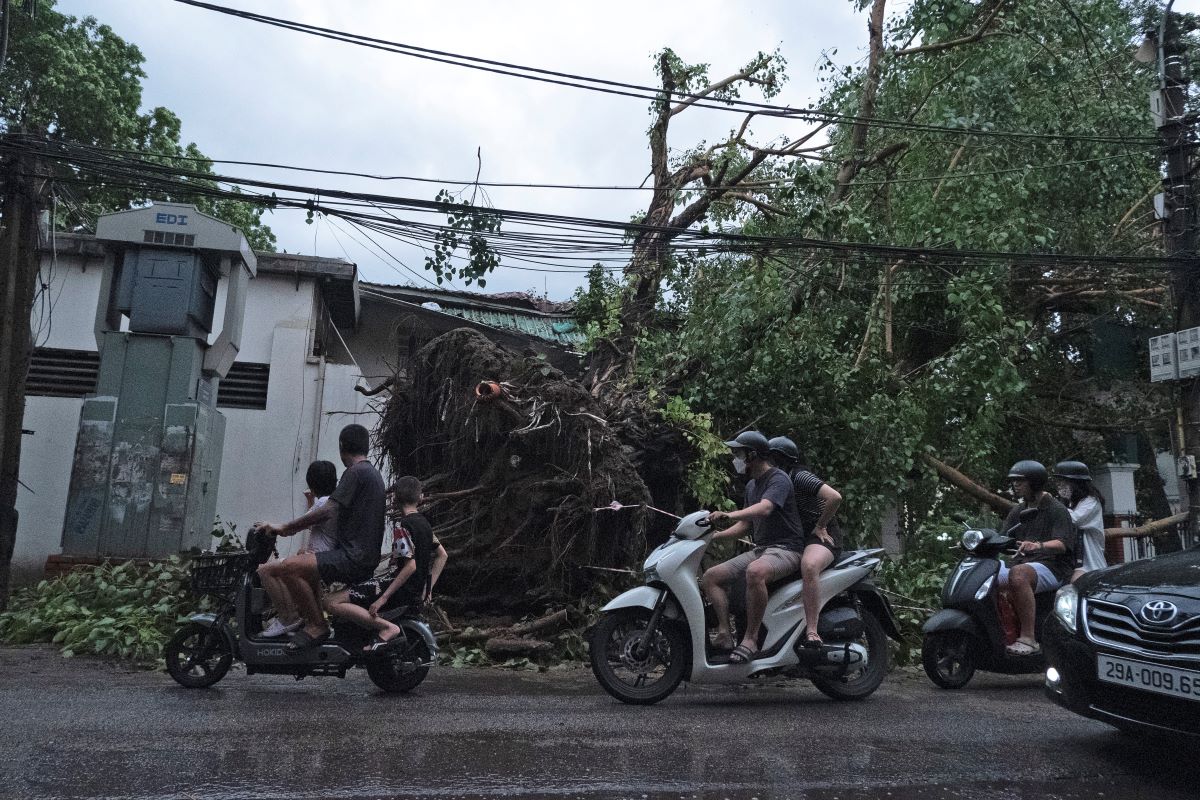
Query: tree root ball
[[512, 483]]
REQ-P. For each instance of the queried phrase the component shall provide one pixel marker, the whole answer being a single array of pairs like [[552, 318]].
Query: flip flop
[[302, 640], [723, 642], [741, 655], [813, 640], [378, 644]]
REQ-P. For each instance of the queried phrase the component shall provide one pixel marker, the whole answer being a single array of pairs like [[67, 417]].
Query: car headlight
[[1066, 606], [971, 539]]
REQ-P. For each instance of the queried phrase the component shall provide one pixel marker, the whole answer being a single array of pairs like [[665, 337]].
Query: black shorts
[[367, 592], [835, 548], [336, 566]]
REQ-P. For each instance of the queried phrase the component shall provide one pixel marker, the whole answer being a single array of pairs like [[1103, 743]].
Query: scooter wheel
[[629, 672], [948, 659], [401, 669], [861, 684], [198, 655]]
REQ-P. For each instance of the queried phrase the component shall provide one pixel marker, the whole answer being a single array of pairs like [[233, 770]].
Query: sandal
[[813, 639], [723, 642], [741, 655], [1022, 647], [379, 643], [302, 640]]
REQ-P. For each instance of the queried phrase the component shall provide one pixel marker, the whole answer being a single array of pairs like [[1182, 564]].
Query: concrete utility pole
[[18, 281], [1180, 225]]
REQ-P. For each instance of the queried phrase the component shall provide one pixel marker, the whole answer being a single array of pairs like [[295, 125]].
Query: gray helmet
[[1032, 471], [785, 447], [753, 441], [1072, 470]]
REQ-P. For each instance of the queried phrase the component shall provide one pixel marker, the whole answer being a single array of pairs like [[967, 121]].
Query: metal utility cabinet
[[148, 454]]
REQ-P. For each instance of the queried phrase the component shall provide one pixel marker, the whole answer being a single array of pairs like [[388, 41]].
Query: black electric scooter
[[202, 651], [967, 634]]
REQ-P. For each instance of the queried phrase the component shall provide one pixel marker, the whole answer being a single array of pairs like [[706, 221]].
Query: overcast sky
[[247, 91]]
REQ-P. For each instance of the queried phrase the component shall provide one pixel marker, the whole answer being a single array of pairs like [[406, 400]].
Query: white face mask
[[1064, 492], [739, 465]]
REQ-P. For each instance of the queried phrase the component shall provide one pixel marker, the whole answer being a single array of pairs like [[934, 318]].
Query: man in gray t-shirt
[[359, 500], [771, 517]]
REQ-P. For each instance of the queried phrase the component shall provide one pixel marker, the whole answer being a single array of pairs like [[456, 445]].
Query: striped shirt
[[810, 505]]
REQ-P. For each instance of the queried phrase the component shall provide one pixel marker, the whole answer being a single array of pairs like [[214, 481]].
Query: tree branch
[[955, 478], [745, 75], [979, 34]]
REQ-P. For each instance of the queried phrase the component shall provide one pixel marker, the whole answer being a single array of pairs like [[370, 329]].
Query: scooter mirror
[[1028, 514]]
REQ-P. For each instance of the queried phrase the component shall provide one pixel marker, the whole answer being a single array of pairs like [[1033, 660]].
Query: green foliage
[[914, 581], [597, 307], [708, 474], [76, 80], [126, 610], [466, 225]]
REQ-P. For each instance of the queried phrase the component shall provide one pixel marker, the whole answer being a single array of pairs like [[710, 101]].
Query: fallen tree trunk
[[1158, 527], [955, 478]]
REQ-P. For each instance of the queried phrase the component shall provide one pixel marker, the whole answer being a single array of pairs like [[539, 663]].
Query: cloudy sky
[[251, 92]]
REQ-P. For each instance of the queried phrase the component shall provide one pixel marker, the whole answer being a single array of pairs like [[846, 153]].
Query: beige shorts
[[783, 562]]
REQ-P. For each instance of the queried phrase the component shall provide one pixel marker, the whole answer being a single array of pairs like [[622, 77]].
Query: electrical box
[[1164, 366], [171, 292], [1187, 349]]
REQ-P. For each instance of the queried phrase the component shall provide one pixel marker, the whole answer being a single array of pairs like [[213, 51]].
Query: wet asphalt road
[[86, 729]]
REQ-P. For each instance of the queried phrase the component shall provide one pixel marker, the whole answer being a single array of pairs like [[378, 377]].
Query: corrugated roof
[[563, 331]]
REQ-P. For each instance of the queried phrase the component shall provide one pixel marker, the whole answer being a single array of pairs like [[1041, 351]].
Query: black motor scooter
[[202, 651], [968, 634]]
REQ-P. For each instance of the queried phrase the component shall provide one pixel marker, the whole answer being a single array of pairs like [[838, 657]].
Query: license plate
[[1149, 677]]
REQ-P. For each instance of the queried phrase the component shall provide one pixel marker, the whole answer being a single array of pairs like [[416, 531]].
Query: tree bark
[[18, 266], [955, 478], [866, 110]]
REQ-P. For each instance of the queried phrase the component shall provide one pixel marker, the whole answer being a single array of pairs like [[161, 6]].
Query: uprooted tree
[[874, 363]]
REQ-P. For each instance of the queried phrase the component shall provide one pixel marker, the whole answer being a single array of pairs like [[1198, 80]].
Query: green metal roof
[[562, 331]]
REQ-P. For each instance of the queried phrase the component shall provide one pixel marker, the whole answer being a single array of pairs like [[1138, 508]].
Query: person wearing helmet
[[771, 517], [1086, 505], [817, 503], [1045, 556]]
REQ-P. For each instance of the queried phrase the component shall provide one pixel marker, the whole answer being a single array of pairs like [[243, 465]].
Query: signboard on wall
[[1187, 348], [1164, 365]]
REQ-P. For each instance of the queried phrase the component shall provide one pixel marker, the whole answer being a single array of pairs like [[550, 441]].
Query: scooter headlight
[[984, 588], [1066, 606], [650, 575], [971, 539]]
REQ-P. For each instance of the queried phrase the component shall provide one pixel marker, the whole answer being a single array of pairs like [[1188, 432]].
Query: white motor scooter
[[651, 638]]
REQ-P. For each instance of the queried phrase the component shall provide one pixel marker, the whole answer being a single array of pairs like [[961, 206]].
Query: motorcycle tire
[[863, 684], [402, 669], [198, 655], [948, 659], [611, 650]]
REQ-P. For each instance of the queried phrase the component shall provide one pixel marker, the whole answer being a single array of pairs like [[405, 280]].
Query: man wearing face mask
[[770, 515]]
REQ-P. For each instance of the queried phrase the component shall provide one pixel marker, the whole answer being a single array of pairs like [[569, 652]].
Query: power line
[[643, 92], [600, 238]]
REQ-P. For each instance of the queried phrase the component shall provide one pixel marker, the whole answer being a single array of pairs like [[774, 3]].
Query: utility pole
[[1179, 228], [23, 189]]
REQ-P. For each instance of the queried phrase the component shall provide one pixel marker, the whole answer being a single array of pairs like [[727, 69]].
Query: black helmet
[[1032, 471], [753, 441], [785, 447], [1072, 470]]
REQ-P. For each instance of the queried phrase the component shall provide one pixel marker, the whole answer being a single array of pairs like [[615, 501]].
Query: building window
[[62, 373], [245, 386], [166, 237]]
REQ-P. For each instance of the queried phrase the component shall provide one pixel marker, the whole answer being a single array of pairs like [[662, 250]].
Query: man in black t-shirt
[[1045, 557], [359, 500], [770, 515], [408, 576]]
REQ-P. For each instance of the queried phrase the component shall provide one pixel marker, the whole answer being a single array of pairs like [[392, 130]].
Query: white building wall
[[266, 452]]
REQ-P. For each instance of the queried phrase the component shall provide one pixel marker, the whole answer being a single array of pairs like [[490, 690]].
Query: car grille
[[1114, 625]]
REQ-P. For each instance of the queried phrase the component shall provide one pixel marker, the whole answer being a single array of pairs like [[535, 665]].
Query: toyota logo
[[1158, 612]]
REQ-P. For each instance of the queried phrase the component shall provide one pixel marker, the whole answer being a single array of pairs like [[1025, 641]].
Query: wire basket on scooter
[[218, 573]]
